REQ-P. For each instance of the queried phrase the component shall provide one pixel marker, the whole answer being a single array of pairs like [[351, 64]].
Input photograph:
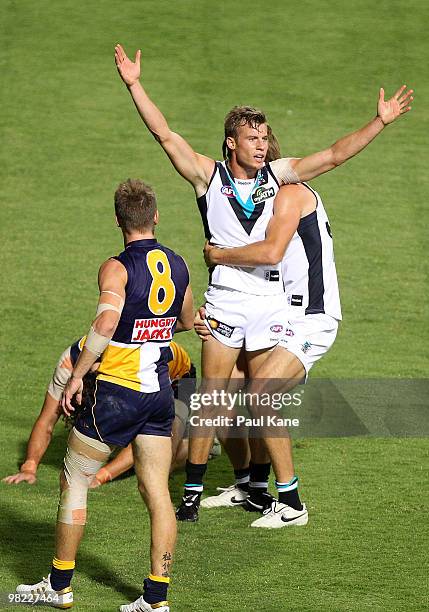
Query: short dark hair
[[135, 206], [238, 116]]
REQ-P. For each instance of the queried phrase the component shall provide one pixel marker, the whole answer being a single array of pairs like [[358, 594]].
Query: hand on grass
[[29, 477]]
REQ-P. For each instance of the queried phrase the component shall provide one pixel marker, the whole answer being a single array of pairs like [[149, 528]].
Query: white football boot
[[281, 515], [44, 595], [140, 605], [229, 497]]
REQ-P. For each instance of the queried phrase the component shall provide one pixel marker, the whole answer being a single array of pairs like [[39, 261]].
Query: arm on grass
[[195, 168], [288, 206], [347, 147], [38, 442]]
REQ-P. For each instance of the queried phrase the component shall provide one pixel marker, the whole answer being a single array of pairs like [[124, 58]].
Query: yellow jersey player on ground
[[179, 365], [145, 297]]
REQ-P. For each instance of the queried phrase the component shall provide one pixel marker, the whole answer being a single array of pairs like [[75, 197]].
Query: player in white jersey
[[298, 236], [246, 142]]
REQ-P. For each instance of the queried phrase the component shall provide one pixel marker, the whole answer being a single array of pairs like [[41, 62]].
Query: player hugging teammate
[[258, 208]]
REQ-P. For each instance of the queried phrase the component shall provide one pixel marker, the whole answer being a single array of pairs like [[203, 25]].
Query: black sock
[[61, 574], [288, 493], [155, 591], [194, 477], [242, 479], [259, 475]]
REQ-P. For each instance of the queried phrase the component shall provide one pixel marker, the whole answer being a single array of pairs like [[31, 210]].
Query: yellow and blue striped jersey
[[137, 356]]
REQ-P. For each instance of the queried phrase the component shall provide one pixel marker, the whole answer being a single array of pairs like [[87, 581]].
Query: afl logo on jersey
[[262, 193], [227, 191], [276, 329]]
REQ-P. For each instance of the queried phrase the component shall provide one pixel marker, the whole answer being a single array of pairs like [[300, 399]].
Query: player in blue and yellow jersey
[[145, 297], [179, 365]]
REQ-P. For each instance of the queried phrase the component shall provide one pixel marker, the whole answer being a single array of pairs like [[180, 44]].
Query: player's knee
[[79, 470]]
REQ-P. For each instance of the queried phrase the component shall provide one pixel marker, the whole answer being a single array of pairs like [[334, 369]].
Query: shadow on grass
[[27, 545]]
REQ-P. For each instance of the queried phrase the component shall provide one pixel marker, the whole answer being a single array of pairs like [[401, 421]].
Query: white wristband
[[96, 343]]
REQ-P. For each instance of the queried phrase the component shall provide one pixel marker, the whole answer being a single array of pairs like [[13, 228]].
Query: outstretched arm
[[388, 111], [288, 206], [38, 442], [195, 168]]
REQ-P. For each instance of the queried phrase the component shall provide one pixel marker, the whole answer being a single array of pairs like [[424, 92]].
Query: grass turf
[[70, 134]]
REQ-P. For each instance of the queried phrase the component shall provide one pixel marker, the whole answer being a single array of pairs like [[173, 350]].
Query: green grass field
[[70, 134]]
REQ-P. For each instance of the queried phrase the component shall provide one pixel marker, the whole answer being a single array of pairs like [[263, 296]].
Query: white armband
[[106, 306], [96, 343], [283, 170]]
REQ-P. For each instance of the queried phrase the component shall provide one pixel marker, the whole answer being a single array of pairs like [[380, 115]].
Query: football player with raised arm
[[235, 198]]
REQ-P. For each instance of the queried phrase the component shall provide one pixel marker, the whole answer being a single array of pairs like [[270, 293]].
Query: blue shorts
[[116, 415]]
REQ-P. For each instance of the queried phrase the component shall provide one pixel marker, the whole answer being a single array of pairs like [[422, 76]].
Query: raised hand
[[399, 104], [129, 71]]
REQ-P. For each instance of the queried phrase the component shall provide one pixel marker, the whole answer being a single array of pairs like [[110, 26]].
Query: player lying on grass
[[235, 198], [179, 365], [145, 297]]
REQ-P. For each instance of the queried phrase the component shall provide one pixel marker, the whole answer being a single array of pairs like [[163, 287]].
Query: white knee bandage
[[79, 471]]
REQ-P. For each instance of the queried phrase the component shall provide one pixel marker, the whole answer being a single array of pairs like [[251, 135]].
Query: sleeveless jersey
[[308, 266], [137, 356], [230, 222], [179, 362]]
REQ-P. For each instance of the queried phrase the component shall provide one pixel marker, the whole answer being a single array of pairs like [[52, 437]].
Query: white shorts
[[309, 337], [236, 318]]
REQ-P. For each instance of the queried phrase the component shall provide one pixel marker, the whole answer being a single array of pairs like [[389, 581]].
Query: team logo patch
[[227, 191], [262, 193], [289, 332], [160, 329], [276, 329], [272, 275], [306, 347], [221, 328], [295, 300]]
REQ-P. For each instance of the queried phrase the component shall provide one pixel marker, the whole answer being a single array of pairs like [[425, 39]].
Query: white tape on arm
[[96, 343], [107, 306], [283, 170]]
